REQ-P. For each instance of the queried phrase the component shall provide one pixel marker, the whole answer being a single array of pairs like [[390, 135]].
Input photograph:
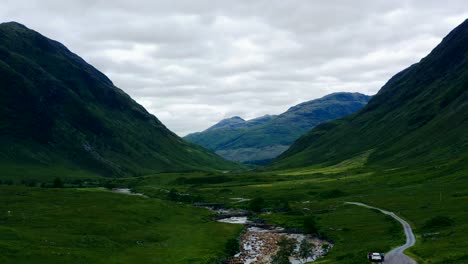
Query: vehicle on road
[[376, 257]]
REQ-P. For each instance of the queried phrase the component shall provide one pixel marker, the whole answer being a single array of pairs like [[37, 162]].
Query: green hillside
[[419, 116], [262, 139], [59, 111]]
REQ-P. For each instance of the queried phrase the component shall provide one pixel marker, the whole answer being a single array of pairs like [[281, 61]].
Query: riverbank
[[259, 242]]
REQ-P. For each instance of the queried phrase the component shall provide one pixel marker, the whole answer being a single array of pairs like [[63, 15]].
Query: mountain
[[57, 110], [224, 130], [229, 123], [262, 139], [420, 116], [236, 122]]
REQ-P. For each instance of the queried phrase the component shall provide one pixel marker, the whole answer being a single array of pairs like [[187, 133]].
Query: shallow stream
[[258, 243]]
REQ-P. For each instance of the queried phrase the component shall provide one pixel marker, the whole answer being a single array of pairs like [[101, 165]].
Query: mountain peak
[[263, 138], [235, 118], [231, 122], [333, 98], [13, 24], [19, 39]]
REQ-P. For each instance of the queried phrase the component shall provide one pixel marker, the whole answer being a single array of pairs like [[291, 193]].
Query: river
[[258, 242]]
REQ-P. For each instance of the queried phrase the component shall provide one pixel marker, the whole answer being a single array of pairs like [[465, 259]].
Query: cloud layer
[[193, 63]]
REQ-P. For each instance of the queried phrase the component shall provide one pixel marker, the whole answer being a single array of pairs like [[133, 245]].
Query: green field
[[93, 225], [416, 194], [68, 225]]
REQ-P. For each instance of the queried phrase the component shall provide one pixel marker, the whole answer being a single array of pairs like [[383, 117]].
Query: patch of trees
[[305, 250], [286, 249]]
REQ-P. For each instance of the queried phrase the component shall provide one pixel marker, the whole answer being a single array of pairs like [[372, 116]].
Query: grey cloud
[[192, 63]]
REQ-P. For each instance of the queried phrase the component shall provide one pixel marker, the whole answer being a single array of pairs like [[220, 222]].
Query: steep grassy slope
[[59, 110], [264, 138], [419, 116]]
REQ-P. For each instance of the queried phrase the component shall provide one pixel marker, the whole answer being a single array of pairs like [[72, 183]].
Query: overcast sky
[[193, 63]]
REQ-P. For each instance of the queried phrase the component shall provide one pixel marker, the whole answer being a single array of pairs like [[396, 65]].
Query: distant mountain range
[[420, 116], [57, 110], [259, 140]]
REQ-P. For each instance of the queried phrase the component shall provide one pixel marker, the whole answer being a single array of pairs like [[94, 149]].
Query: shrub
[[310, 225], [256, 204], [57, 183], [305, 249], [173, 195], [286, 248], [438, 222], [282, 206], [335, 193]]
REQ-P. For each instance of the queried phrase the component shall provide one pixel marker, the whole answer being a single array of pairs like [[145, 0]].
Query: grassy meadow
[[417, 194], [93, 225]]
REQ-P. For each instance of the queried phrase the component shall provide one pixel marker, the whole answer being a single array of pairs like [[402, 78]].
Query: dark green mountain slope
[[420, 116], [235, 123], [230, 123], [57, 110], [225, 130], [264, 138]]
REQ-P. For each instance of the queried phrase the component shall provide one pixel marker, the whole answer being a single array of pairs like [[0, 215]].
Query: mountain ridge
[[58, 109], [419, 115], [251, 142]]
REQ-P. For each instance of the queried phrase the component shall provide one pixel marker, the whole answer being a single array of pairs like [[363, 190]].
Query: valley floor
[[94, 225], [68, 225]]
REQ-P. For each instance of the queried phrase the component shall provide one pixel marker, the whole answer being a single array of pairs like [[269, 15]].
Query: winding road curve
[[396, 255]]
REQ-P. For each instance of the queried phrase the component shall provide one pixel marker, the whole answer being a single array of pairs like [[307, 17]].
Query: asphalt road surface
[[396, 255]]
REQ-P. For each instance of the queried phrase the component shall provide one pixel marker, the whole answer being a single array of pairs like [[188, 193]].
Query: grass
[[42, 173], [417, 194], [96, 226], [111, 224], [179, 233], [352, 163]]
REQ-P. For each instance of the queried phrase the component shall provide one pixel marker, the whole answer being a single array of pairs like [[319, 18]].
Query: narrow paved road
[[396, 255]]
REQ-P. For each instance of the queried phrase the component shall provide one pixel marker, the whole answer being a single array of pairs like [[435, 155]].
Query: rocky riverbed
[[258, 244]]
